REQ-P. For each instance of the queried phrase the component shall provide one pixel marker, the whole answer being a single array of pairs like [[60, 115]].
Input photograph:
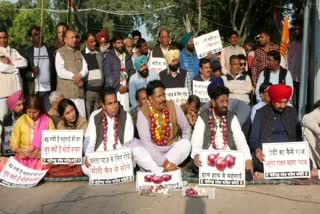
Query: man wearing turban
[[174, 76], [140, 78], [15, 105], [217, 128], [103, 41], [275, 122], [188, 58]]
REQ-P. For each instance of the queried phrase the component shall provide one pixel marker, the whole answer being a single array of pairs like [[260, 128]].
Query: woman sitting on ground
[[26, 136], [70, 116]]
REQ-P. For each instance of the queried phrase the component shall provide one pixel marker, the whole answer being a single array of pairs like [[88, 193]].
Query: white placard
[[222, 168], [111, 167], [171, 180], [178, 95], [201, 90], [286, 160], [210, 42], [14, 174], [6, 149], [62, 146], [157, 64]]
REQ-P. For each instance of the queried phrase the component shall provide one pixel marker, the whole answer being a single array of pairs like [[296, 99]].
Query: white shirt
[[238, 136], [17, 60], [44, 66], [90, 136], [64, 73], [255, 108], [226, 53], [274, 79]]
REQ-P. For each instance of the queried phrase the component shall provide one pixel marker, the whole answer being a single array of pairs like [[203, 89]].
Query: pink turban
[[14, 99]]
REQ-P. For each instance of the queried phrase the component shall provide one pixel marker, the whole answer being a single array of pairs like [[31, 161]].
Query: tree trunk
[[199, 15]]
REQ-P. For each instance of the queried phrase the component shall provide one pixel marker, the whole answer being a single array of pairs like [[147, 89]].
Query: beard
[[174, 68], [190, 48], [144, 73], [120, 50], [103, 49]]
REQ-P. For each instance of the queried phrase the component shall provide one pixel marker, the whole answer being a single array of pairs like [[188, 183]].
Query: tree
[[22, 23], [7, 14]]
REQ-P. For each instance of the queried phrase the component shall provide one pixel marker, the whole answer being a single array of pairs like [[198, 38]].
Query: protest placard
[[210, 42], [178, 95], [201, 90], [157, 64], [111, 167], [14, 174], [6, 149], [222, 168], [171, 180], [286, 160], [62, 146]]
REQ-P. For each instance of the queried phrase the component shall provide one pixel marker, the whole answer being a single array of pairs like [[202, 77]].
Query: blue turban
[[139, 61], [216, 82], [185, 39]]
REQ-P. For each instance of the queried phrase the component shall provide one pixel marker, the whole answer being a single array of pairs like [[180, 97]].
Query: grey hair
[[54, 95]]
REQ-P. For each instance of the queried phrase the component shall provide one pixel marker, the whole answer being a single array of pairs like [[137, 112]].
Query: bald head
[[70, 38]]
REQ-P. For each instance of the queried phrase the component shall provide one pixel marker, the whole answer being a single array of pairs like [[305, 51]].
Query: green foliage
[[18, 33], [7, 14]]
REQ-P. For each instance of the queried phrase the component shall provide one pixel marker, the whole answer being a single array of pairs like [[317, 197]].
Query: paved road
[[79, 197]]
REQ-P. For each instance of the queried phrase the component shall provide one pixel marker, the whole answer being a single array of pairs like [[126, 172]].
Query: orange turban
[[279, 92]]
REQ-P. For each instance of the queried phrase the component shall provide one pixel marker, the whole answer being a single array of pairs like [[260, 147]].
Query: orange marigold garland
[[160, 133]]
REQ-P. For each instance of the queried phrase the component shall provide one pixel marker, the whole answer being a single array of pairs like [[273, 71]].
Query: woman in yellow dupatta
[[27, 134]]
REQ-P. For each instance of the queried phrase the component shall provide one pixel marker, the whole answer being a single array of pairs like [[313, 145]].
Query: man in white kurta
[[10, 80], [110, 128], [216, 138]]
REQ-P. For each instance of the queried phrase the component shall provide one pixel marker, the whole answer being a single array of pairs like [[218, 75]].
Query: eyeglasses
[[243, 64]]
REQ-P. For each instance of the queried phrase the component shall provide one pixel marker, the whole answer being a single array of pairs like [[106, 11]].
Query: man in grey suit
[[95, 81]]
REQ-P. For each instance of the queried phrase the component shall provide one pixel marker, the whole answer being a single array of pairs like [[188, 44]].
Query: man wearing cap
[[141, 78], [103, 41], [174, 76], [188, 58], [217, 128], [275, 122]]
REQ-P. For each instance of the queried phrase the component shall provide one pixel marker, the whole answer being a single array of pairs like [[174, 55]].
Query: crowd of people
[[107, 88]]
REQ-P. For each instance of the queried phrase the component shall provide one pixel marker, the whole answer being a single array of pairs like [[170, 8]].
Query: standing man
[[141, 49], [274, 73], [188, 58], [205, 71], [71, 69], [260, 55], [59, 42], [41, 75], [232, 49], [128, 44], [103, 41], [295, 58], [164, 46], [94, 81], [10, 63], [118, 68]]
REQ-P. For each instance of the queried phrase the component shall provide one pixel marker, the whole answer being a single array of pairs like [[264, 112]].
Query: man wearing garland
[[110, 128], [159, 149], [218, 129]]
